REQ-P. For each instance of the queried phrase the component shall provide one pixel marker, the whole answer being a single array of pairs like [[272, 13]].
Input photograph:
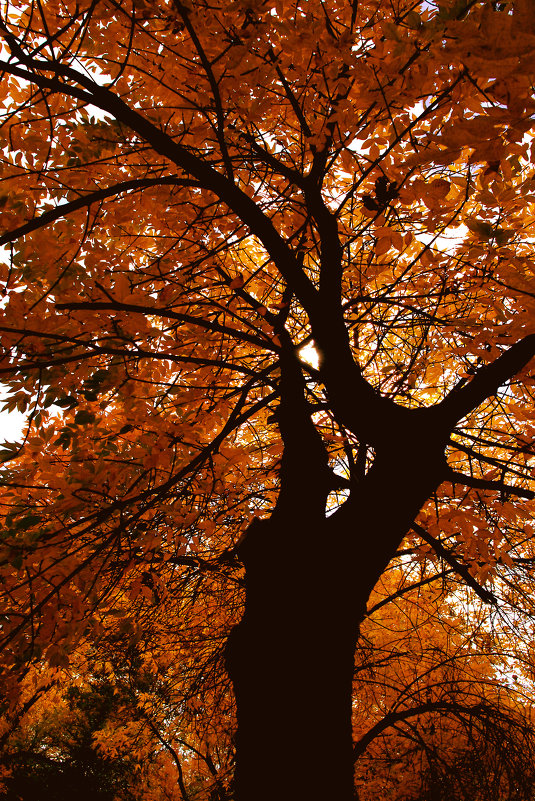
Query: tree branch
[[404, 590], [483, 483], [485, 595], [305, 464], [165, 314], [464, 399], [395, 717], [235, 198], [86, 200]]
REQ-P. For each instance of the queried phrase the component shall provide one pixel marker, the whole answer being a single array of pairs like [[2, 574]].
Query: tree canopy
[[268, 304]]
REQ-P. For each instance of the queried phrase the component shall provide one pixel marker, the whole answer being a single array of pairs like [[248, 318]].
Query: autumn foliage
[[268, 305]]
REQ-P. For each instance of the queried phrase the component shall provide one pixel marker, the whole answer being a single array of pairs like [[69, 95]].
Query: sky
[[11, 423]]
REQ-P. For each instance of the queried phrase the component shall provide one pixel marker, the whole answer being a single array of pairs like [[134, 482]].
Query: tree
[[126, 714], [142, 712], [54, 752], [441, 709], [197, 196]]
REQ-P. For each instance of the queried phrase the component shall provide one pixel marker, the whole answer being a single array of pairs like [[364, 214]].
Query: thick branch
[[331, 248], [87, 200], [464, 399], [234, 197], [305, 465]]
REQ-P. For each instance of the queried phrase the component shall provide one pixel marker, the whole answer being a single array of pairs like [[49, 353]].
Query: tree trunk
[[291, 663], [291, 659]]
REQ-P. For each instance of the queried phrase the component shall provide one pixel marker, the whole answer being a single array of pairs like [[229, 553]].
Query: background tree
[[442, 709], [192, 195], [439, 711], [54, 753]]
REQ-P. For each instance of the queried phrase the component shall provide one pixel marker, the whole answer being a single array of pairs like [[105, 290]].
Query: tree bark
[[291, 658], [291, 663]]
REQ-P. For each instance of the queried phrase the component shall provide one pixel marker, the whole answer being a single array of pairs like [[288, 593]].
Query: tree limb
[[485, 595], [86, 200], [235, 198], [483, 483], [394, 717], [488, 379]]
